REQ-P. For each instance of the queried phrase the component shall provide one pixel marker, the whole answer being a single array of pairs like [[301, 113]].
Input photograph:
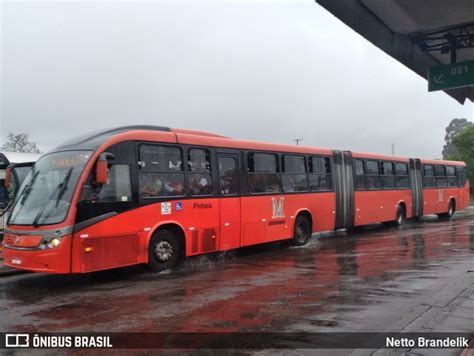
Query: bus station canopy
[[417, 33]]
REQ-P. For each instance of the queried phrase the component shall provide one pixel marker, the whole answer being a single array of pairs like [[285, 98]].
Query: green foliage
[[464, 143], [454, 128], [20, 143]]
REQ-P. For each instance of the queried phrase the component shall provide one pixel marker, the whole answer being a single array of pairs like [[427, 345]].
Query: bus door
[[228, 163], [416, 187], [344, 184]]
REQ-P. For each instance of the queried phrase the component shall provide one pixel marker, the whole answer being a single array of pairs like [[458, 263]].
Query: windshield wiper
[[61, 188], [25, 192]]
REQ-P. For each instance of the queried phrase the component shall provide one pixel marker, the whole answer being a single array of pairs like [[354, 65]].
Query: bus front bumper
[[49, 260]]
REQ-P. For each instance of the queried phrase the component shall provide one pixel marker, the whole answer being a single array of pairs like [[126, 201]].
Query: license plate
[[16, 261]]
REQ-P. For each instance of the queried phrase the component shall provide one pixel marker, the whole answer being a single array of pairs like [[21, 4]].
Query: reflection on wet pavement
[[358, 281]]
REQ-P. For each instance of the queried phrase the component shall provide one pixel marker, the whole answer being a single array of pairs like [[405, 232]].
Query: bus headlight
[[54, 242], [50, 243]]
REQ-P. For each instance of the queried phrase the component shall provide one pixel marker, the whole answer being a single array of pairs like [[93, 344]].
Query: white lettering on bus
[[278, 210]]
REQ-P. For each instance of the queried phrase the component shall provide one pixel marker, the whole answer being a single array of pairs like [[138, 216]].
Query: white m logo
[[278, 210]]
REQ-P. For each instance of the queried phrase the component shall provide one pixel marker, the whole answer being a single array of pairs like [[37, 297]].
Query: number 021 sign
[[457, 75]]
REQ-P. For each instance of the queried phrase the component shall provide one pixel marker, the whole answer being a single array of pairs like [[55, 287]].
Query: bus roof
[[160, 133], [376, 156], [7, 157], [96, 139], [441, 161]]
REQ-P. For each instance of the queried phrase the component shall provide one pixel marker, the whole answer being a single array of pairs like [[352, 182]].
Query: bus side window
[[114, 196], [117, 188], [401, 171], [294, 174], [319, 173], [161, 171], [372, 177], [263, 173], [461, 176], [440, 173], [199, 177], [388, 178], [428, 176], [359, 174], [451, 174], [228, 176]]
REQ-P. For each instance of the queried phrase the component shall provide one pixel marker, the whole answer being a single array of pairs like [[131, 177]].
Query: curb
[[12, 272]]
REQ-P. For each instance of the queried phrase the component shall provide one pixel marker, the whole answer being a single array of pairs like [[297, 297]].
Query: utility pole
[[393, 149], [297, 140]]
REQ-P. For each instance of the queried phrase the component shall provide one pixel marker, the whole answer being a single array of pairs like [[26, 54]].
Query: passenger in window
[[173, 186], [168, 188], [178, 188], [200, 185], [151, 186], [228, 185]]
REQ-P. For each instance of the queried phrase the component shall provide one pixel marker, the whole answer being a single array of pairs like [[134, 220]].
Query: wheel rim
[[163, 251]]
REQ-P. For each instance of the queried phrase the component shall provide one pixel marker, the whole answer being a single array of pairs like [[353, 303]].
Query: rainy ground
[[416, 278]]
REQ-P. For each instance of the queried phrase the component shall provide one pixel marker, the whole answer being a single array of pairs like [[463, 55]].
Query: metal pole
[[453, 47], [297, 140]]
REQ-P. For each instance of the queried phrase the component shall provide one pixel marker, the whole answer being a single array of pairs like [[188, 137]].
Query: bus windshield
[[21, 172], [46, 192]]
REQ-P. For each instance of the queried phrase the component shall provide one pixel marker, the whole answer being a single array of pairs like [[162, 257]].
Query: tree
[[20, 143], [464, 144], [453, 129]]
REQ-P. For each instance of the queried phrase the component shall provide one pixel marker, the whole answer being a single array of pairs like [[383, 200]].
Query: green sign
[[451, 76]]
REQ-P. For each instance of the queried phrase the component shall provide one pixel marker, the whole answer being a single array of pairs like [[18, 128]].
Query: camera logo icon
[[17, 340]]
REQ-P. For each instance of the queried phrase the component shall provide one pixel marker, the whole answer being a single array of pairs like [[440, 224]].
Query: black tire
[[302, 231], [400, 217], [164, 251], [449, 214]]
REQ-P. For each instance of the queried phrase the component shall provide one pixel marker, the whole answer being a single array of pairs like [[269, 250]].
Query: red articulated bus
[[154, 195]]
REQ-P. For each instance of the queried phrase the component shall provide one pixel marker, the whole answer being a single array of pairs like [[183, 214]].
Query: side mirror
[[102, 173], [8, 177]]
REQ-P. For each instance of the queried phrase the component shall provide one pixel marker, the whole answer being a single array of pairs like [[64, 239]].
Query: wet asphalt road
[[379, 279]]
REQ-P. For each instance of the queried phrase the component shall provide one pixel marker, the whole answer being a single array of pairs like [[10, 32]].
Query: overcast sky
[[261, 70]]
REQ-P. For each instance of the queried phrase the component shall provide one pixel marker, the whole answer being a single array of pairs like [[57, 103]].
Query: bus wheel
[[450, 213], [163, 251], [302, 231], [401, 217]]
